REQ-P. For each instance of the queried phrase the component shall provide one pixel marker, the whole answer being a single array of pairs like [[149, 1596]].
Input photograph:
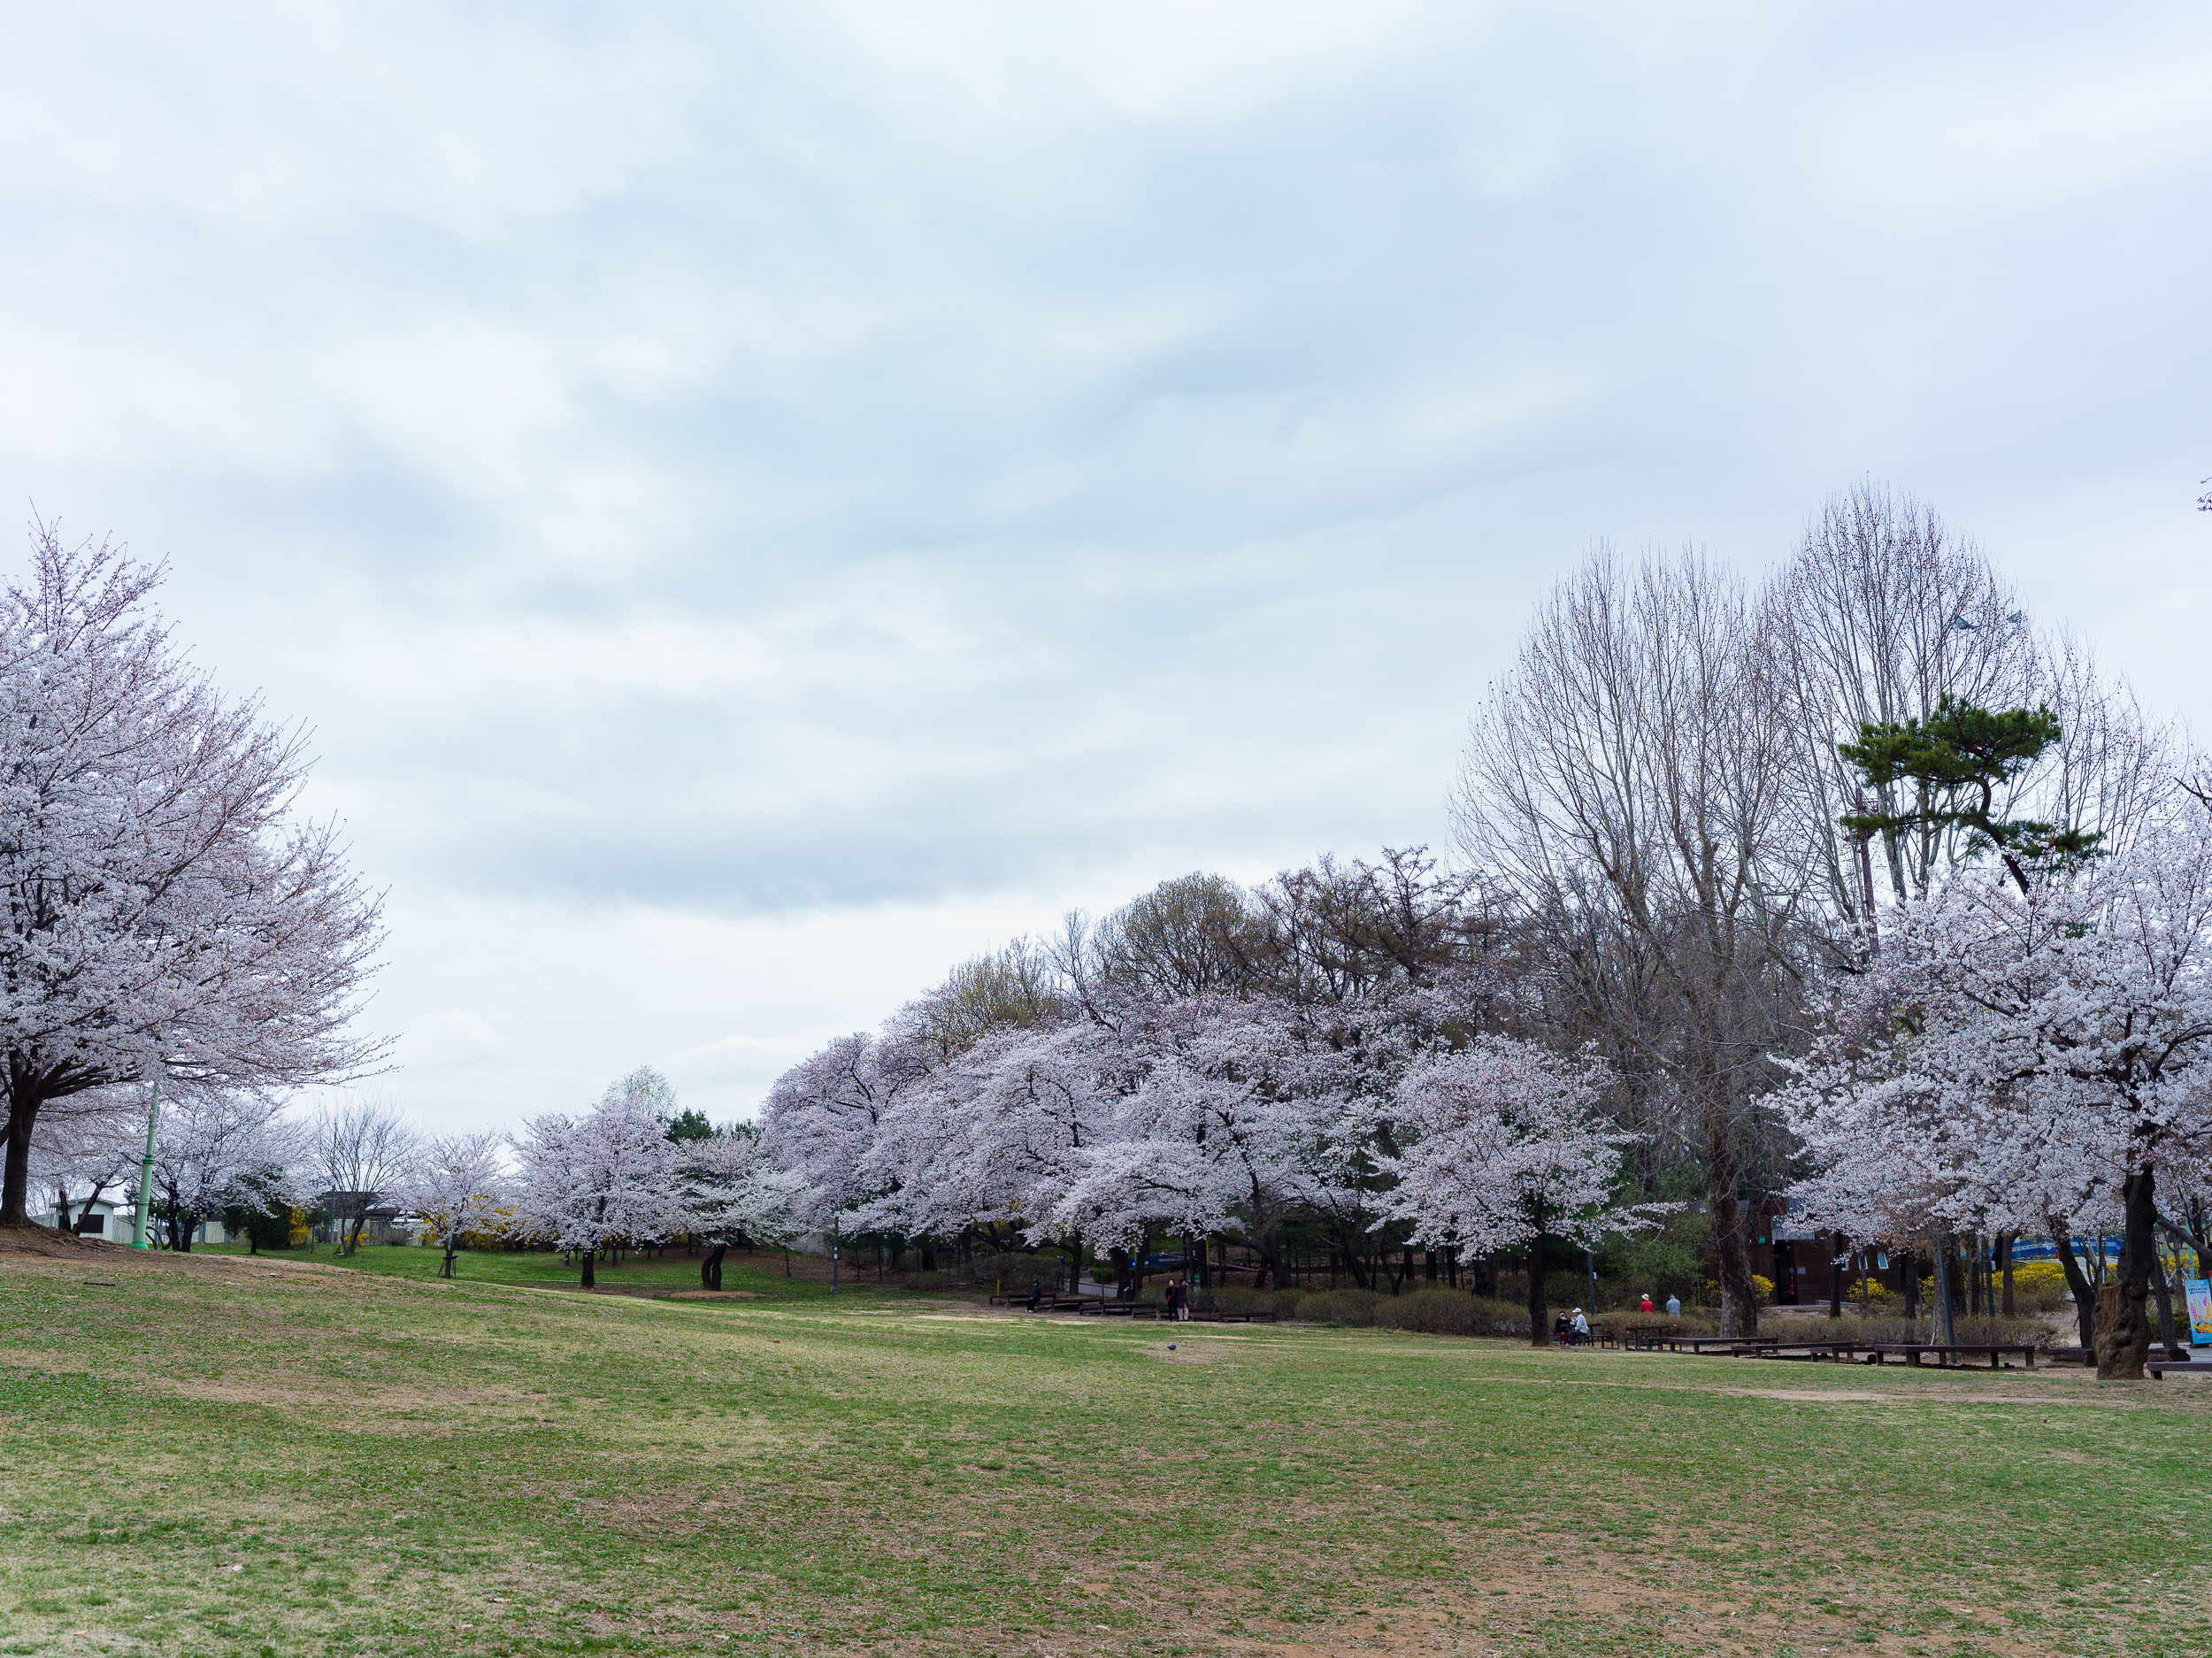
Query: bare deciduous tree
[[1625, 785], [362, 1150], [1879, 616]]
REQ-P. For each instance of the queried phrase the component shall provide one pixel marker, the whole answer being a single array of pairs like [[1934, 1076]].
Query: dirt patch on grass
[[712, 1295], [1613, 1604], [40, 1249]]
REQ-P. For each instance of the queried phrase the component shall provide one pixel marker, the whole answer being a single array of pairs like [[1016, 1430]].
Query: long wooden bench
[[2158, 1369], [1721, 1344], [1839, 1352], [1913, 1352], [2088, 1355]]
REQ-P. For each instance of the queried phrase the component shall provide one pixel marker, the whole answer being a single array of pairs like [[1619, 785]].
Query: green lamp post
[[146, 1166]]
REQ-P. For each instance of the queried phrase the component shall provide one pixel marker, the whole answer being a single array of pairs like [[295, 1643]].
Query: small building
[[381, 1223], [111, 1218], [116, 1218]]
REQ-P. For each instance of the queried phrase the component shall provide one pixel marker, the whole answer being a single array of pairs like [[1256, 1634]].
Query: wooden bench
[[2088, 1356], [1838, 1352], [1913, 1352], [2157, 1369], [1732, 1346]]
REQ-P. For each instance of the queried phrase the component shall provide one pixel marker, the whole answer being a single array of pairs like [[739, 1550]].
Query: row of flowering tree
[[1848, 890], [615, 1176], [1213, 1067], [628, 1172]]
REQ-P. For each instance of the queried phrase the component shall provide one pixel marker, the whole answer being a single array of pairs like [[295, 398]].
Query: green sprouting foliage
[[1955, 762]]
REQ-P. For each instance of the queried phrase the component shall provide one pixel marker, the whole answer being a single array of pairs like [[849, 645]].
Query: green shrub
[[2038, 1287], [1236, 1298], [1339, 1307], [1433, 1311]]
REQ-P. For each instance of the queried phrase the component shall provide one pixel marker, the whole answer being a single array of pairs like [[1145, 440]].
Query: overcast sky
[[759, 504]]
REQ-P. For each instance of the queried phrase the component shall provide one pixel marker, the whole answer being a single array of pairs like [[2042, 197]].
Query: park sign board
[[2200, 1294]]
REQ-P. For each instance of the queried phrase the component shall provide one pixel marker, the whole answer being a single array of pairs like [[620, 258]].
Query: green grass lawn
[[762, 1274], [219, 1455]]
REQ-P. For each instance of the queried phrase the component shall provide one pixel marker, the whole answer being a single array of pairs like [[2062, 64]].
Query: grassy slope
[[397, 1466]]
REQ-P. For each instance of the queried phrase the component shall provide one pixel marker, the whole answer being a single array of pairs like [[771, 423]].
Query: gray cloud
[[769, 472]]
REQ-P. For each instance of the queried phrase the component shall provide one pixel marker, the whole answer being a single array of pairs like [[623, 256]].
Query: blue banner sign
[[2199, 1291]]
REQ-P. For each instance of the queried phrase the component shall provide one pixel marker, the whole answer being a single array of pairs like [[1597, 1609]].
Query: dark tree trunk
[[15, 1182], [710, 1267], [1731, 1251], [1354, 1262], [2127, 1342], [1484, 1270], [1539, 1307], [2005, 1240], [590, 1278], [2167, 1336], [2076, 1281], [445, 1269], [1947, 1302], [1838, 1260]]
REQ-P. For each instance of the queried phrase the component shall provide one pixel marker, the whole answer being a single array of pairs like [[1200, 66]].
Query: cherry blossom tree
[[458, 1184], [164, 904], [1228, 1110], [609, 1176], [216, 1150], [822, 1116], [994, 1138], [90, 1145], [732, 1195], [1510, 1150], [2012, 1052]]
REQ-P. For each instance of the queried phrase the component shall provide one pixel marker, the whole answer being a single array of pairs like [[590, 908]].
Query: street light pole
[[832, 1254], [146, 1166]]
